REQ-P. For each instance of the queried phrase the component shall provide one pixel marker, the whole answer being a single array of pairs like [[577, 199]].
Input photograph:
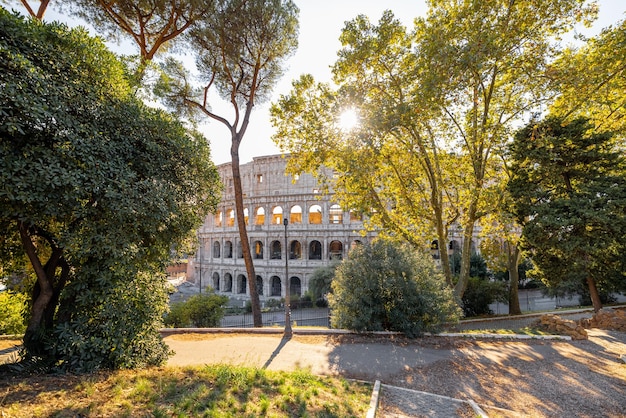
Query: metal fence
[[318, 317]]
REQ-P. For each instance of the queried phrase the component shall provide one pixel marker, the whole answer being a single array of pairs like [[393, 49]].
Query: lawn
[[210, 391]]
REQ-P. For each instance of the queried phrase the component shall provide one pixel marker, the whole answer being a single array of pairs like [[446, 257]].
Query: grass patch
[[210, 391]]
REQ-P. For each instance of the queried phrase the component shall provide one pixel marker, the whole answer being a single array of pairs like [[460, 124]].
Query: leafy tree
[[386, 286], [97, 188], [321, 280], [436, 107], [151, 24], [483, 66], [239, 53], [390, 166], [204, 310], [592, 81], [569, 193]]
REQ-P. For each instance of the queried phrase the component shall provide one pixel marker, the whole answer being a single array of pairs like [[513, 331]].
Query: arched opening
[[315, 214], [228, 282], [356, 216], [295, 215], [241, 284], [239, 250], [258, 250], [335, 250], [277, 215], [315, 250], [336, 214], [295, 250], [355, 244], [295, 287], [217, 220], [230, 217], [245, 215], [228, 249], [216, 249], [216, 281], [259, 285], [276, 250], [276, 286], [259, 218], [434, 249]]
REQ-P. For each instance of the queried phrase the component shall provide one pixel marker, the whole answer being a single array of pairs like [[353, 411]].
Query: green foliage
[[321, 280], [569, 191], [97, 188], [113, 326], [387, 286], [203, 311], [482, 292], [435, 104], [11, 313]]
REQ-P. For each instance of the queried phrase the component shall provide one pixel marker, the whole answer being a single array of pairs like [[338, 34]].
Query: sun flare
[[348, 120]]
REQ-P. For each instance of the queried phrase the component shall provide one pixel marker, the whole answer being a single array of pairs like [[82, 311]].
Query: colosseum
[[318, 231]]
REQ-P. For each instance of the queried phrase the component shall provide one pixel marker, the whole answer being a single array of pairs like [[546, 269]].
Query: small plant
[[205, 310], [11, 308]]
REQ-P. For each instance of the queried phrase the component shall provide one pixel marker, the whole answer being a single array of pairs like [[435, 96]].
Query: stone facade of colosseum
[[318, 231]]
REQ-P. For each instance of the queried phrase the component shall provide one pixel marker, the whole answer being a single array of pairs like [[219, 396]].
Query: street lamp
[[288, 331]]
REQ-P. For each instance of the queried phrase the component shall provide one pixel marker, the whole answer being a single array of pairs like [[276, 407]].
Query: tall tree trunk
[[43, 292], [513, 260], [593, 292], [466, 254], [442, 238], [243, 236]]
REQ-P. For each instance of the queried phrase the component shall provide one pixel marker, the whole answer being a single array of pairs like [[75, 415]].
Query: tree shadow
[[277, 350]]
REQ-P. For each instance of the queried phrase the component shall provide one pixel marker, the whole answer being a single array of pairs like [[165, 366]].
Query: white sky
[[321, 22]]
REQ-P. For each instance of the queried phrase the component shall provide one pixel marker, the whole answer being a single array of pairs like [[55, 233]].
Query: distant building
[[318, 231]]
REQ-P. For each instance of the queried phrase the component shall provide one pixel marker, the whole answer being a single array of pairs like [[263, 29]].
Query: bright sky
[[321, 22]]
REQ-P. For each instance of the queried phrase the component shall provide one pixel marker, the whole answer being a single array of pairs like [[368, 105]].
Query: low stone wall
[[608, 318], [556, 324], [612, 319]]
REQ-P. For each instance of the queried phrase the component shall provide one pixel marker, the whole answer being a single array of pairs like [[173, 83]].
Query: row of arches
[[239, 285], [296, 250], [295, 214], [453, 247]]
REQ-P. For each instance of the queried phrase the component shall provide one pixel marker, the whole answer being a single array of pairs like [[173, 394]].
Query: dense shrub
[[480, 293], [204, 311], [388, 286], [321, 280], [11, 318]]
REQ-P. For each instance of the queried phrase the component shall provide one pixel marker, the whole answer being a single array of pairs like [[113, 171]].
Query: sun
[[348, 120]]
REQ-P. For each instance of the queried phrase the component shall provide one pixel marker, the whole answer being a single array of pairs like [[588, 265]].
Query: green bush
[[111, 327], [274, 303], [11, 307], [480, 293], [321, 279], [203, 311], [388, 286]]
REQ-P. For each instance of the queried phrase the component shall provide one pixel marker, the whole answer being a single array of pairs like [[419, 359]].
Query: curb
[[325, 331], [371, 412]]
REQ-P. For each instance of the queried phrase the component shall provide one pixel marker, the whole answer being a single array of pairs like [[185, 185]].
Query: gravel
[[519, 379]]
